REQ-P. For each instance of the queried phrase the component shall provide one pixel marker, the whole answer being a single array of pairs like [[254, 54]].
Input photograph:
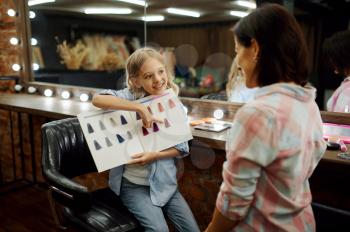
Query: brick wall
[[8, 53]]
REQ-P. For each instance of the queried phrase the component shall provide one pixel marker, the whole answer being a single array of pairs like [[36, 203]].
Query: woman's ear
[[136, 82], [256, 49]]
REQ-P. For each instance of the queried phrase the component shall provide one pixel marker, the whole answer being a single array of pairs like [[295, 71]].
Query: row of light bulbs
[[65, 94], [15, 41]]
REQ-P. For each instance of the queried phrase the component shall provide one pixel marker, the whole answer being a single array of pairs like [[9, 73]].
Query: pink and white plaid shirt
[[340, 99], [272, 149]]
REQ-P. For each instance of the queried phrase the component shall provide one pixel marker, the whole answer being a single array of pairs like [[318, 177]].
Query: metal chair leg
[[57, 216]]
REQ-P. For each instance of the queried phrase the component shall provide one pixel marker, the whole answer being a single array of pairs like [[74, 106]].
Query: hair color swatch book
[[113, 136]]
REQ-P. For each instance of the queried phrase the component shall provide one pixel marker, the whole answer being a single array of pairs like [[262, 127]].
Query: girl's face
[[246, 59], [152, 77]]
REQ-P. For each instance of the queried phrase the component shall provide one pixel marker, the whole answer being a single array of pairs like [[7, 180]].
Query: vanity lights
[[16, 67], [183, 12], [84, 97], [153, 18], [36, 66], [218, 114], [136, 2], [11, 13], [247, 4], [37, 2], [33, 41], [239, 14], [14, 41], [107, 11], [18, 88], [65, 94], [48, 92], [31, 89], [32, 14]]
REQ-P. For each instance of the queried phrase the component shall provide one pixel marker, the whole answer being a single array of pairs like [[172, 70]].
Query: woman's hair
[[283, 53], [336, 50], [234, 78], [134, 64]]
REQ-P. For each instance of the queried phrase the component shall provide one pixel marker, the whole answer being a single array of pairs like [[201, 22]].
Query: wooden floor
[[27, 209]]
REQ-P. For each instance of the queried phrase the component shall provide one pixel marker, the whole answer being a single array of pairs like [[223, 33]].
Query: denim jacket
[[162, 178]]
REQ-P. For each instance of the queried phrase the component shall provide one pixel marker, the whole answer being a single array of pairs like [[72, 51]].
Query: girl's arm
[[117, 103], [148, 157]]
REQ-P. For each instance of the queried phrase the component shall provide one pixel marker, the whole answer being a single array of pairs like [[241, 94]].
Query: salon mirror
[[200, 49]]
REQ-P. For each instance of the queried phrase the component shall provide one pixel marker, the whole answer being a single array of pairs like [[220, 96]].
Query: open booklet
[[113, 136]]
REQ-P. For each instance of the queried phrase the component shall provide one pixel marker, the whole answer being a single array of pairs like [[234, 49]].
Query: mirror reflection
[[90, 50], [76, 48]]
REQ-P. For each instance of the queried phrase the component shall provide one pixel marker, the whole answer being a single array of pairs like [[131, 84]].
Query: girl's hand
[[144, 158], [147, 117]]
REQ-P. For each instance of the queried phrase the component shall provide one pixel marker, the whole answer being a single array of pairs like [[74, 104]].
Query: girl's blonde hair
[[134, 64], [234, 78]]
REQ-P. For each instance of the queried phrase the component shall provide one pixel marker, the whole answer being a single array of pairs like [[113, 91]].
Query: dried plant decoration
[[72, 56]]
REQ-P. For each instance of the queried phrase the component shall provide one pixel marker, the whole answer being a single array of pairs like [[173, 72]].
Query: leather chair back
[[66, 149]]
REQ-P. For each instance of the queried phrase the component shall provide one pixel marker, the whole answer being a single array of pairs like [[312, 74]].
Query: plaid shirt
[[272, 149], [340, 100]]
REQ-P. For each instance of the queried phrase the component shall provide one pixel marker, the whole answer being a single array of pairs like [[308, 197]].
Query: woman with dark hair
[[336, 50], [276, 139]]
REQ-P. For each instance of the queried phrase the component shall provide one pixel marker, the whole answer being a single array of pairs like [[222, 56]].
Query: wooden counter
[[56, 108]]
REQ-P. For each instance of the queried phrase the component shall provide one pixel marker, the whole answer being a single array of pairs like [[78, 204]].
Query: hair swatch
[[113, 122], [108, 142], [171, 104], [149, 110], [120, 138], [144, 131], [160, 107], [123, 120], [97, 146], [166, 122], [102, 126], [90, 129], [155, 127], [129, 135], [138, 117]]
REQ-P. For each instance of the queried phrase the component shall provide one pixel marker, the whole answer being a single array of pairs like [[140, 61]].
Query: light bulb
[[218, 114], [16, 67], [84, 97], [32, 14], [11, 13], [48, 92], [31, 89], [18, 87], [33, 41], [35, 66], [65, 94], [14, 41]]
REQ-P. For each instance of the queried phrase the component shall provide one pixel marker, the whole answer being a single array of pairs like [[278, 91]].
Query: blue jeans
[[137, 199]]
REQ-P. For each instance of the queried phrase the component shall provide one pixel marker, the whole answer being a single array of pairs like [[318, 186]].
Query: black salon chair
[[65, 155], [330, 219]]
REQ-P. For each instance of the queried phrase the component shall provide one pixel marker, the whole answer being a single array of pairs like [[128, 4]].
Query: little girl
[[147, 185]]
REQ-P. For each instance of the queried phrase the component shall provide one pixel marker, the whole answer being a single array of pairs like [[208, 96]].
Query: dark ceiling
[[211, 10]]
